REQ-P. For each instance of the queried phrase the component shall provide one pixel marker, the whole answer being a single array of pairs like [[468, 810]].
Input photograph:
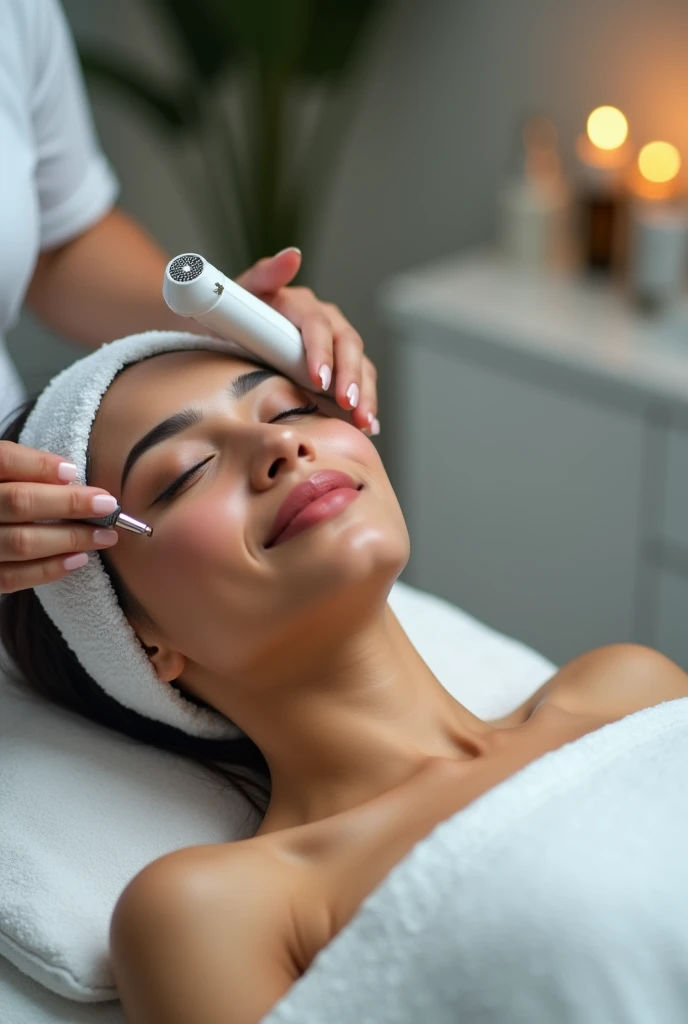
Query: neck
[[370, 717]]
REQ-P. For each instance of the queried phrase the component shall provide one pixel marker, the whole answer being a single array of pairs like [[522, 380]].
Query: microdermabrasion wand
[[192, 287], [125, 522]]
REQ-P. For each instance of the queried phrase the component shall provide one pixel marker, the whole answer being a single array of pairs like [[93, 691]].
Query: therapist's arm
[[107, 283]]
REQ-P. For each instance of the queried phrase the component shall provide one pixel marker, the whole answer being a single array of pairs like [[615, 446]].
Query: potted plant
[[283, 64]]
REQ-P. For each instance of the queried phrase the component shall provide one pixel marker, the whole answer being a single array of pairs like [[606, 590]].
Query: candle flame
[[607, 128], [659, 162]]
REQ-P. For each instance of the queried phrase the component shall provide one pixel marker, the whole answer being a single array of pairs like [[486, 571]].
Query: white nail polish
[[66, 471], [375, 427], [103, 504], [107, 537], [75, 561], [289, 248], [353, 395], [325, 374]]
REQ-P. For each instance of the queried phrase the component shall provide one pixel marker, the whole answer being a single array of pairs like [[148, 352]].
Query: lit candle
[[656, 173], [603, 156], [659, 255], [602, 150]]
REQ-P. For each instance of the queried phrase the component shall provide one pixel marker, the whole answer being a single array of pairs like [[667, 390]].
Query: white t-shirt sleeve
[[75, 183]]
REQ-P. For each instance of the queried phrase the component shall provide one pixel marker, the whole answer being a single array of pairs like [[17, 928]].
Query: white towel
[[83, 604], [558, 897]]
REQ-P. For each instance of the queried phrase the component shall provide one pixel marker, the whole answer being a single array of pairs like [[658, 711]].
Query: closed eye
[[174, 488], [303, 410], [170, 491]]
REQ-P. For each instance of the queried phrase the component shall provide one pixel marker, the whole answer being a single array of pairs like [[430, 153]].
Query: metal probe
[[125, 522]]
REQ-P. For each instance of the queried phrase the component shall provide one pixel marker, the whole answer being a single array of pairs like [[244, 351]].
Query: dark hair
[[47, 667]]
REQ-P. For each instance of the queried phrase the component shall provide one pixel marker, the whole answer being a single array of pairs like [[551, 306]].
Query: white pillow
[[83, 809]]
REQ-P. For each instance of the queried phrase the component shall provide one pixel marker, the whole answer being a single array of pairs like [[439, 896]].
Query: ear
[[167, 663]]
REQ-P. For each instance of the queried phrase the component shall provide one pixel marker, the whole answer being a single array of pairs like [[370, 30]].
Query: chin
[[332, 583], [362, 558]]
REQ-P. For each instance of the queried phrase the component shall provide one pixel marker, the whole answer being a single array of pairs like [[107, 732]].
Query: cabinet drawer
[[676, 493], [672, 633]]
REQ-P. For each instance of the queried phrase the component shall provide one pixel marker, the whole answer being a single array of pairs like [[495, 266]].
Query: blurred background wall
[[443, 85]]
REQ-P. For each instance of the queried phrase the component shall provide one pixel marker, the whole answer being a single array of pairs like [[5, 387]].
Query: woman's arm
[[199, 939], [103, 284]]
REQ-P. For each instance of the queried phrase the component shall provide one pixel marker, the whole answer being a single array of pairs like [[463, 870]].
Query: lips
[[304, 495]]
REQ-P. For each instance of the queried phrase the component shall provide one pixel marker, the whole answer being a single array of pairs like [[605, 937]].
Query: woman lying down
[[252, 629]]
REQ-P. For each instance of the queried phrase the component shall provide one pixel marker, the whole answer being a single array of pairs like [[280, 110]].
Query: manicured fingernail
[[102, 504], [353, 395], [105, 537], [75, 561], [66, 471], [290, 248], [325, 374], [375, 427]]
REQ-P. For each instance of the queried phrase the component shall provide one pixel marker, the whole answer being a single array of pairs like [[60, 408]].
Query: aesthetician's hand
[[332, 344], [33, 487]]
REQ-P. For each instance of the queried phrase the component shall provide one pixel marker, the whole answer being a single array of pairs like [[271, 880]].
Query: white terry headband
[[83, 605]]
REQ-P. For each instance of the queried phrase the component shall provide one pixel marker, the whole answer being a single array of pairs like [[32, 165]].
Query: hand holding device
[[41, 537], [193, 287]]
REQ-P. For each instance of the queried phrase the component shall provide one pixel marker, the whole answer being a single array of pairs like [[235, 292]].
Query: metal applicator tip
[[133, 525], [125, 522]]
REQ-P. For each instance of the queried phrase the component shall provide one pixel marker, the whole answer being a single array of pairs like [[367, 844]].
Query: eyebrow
[[190, 417]]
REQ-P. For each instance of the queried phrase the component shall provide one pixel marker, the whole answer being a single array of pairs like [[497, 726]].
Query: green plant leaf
[[274, 32], [110, 70], [336, 26], [205, 29]]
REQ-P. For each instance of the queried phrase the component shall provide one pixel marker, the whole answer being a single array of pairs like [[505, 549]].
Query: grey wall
[[444, 83]]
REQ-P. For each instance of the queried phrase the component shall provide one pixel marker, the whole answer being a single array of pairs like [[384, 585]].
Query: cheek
[[204, 534], [195, 547], [342, 439], [349, 443]]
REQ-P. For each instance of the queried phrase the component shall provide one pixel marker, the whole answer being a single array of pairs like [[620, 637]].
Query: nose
[[279, 450]]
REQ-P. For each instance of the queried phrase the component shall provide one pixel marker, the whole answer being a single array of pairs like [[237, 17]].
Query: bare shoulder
[[217, 870], [614, 681], [203, 934]]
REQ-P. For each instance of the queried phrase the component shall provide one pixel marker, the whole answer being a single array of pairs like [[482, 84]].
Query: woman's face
[[209, 448]]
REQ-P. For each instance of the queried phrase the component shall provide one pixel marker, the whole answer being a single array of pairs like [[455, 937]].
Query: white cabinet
[[675, 527], [543, 478]]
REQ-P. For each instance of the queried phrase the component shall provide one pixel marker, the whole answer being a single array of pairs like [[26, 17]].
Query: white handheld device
[[195, 288]]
